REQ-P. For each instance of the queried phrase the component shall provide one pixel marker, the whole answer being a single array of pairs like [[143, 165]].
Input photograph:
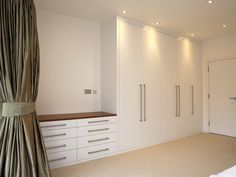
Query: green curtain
[[22, 150]]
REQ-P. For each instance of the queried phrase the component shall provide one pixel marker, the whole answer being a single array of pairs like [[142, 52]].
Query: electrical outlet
[[87, 91]]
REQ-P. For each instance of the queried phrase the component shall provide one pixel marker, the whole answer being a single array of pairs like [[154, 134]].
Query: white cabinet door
[[184, 80], [222, 86], [168, 52], [130, 53], [151, 80], [189, 78], [196, 98]]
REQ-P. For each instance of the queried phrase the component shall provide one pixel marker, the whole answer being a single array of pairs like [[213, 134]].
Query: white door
[[151, 80], [184, 80], [130, 54], [196, 89], [168, 53], [222, 90]]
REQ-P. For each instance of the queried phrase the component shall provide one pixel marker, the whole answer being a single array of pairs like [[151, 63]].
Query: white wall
[[70, 62], [215, 49], [109, 67]]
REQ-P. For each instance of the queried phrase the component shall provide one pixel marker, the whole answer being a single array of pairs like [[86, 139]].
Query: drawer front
[[96, 140], [50, 135], [96, 151], [61, 158], [53, 125], [95, 130], [96, 121], [61, 145]]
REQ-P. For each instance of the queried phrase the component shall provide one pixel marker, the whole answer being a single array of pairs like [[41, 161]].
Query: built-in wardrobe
[[153, 81]]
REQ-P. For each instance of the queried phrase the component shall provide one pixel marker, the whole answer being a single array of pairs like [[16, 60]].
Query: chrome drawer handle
[[233, 98], [50, 126], [55, 147], [50, 136], [102, 150], [54, 160], [97, 121], [102, 139], [98, 130]]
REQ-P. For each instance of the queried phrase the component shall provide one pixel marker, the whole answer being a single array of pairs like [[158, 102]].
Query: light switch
[[87, 91]]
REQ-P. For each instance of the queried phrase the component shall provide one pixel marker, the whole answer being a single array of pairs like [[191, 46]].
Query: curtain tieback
[[17, 109]]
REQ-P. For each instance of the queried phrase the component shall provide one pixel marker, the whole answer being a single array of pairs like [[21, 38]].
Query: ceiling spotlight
[[157, 23], [224, 26], [210, 2], [192, 34], [124, 11]]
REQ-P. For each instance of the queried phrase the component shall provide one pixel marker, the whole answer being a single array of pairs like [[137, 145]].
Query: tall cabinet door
[[151, 79], [196, 97], [168, 53], [129, 108], [184, 65], [189, 78]]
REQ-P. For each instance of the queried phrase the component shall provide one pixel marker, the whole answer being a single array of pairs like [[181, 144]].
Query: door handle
[[179, 102], [145, 106], [141, 102], [233, 98], [176, 99], [192, 100]]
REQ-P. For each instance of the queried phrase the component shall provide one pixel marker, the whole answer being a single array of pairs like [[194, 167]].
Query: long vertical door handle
[[179, 102], [192, 100], [232, 98], [141, 102], [176, 100], [144, 102]]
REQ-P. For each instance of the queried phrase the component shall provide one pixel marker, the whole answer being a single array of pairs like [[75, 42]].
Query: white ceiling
[[181, 17]]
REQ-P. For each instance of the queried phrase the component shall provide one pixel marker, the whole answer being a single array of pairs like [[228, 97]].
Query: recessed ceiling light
[[210, 2], [224, 26], [192, 34], [124, 11], [157, 23]]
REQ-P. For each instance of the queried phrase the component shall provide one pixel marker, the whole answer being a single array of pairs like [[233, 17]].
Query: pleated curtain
[[22, 151]]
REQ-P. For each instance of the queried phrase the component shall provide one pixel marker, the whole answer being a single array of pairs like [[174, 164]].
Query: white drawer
[[96, 121], [50, 135], [96, 151], [96, 140], [97, 129], [61, 158], [52, 125], [61, 145]]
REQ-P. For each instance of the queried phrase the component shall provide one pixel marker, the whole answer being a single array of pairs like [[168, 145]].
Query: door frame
[[206, 86]]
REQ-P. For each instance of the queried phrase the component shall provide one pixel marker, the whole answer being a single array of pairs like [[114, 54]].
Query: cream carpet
[[196, 156]]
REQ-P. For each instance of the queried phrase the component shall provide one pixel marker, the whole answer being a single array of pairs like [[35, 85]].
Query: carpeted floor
[[196, 156]]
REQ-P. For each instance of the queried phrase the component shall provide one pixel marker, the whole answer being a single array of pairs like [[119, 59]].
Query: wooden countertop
[[85, 115]]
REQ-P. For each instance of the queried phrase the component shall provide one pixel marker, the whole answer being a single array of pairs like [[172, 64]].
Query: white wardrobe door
[[196, 103], [130, 51], [168, 53], [222, 87], [151, 78], [184, 80]]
